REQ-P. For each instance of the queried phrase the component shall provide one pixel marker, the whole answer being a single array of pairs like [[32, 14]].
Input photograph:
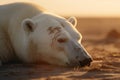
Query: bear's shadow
[[29, 71]]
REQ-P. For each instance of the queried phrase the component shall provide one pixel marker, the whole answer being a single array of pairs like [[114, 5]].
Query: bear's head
[[55, 40]]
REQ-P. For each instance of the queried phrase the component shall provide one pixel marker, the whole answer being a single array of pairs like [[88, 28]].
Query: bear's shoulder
[[18, 11], [24, 5]]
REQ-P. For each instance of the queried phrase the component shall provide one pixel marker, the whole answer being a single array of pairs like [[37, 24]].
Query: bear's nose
[[85, 62]]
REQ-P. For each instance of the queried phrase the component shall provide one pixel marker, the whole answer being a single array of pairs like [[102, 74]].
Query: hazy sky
[[108, 8]]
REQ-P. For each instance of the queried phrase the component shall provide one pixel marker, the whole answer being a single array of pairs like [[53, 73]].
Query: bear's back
[[19, 10]]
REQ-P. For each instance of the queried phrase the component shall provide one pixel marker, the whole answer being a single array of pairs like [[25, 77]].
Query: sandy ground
[[104, 48]]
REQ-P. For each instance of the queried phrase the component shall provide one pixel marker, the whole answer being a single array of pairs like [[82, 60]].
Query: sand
[[103, 46]]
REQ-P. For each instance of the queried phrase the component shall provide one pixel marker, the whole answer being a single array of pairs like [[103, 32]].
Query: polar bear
[[33, 35]]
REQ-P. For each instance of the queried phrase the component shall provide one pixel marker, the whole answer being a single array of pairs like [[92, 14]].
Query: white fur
[[11, 32], [25, 33]]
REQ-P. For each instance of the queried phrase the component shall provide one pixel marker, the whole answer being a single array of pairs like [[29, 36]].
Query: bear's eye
[[62, 40]]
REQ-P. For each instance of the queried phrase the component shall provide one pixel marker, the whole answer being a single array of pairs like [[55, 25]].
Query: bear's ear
[[28, 25], [73, 21]]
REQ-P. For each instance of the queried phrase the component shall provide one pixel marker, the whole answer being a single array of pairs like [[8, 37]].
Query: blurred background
[[94, 16], [100, 15], [82, 8]]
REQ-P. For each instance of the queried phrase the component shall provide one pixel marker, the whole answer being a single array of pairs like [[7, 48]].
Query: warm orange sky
[[107, 8]]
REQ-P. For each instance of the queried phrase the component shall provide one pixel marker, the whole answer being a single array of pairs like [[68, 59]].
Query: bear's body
[[29, 33], [11, 16]]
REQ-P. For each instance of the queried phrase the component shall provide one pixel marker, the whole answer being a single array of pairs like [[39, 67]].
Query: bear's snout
[[85, 62]]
